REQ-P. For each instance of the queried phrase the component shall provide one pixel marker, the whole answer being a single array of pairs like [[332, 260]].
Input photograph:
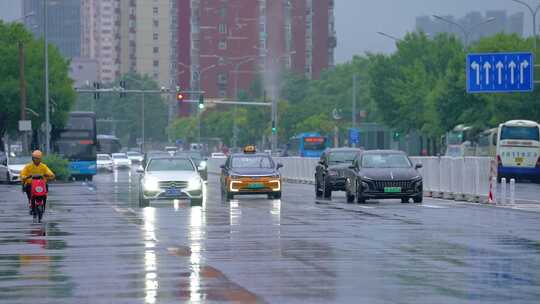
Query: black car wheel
[[327, 189], [404, 200], [418, 199], [359, 198], [143, 202], [274, 195], [196, 202], [318, 192]]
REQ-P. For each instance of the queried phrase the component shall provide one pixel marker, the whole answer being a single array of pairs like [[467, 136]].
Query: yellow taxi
[[249, 173]]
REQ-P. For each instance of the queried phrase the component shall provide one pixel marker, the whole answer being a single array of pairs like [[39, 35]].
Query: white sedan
[[104, 162], [120, 160], [135, 157], [10, 168]]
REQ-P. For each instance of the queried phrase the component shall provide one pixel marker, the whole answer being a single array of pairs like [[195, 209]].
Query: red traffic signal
[[180, 96]]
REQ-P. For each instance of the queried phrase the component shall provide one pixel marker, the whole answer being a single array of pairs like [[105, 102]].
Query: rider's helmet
[[37, 154]]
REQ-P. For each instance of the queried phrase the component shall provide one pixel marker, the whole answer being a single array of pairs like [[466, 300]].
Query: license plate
[[173, 192], [519, 160], [392, 189], [256, 186]]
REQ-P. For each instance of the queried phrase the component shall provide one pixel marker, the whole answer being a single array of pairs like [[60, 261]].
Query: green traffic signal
[[201, 101]]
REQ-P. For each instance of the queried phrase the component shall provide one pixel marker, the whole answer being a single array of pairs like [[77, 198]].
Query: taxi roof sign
[[250, 149]]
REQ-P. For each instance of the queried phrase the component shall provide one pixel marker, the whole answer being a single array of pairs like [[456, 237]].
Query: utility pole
[[142, 124], [22, 82], [47, 114], [354, 102]]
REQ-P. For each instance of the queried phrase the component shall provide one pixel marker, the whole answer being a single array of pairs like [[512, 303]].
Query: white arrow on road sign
[[487, 67], [522, 67], [499, 67], [512, 65], [475, 66]]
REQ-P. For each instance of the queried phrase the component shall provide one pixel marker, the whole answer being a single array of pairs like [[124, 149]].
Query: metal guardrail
[[462, 178]]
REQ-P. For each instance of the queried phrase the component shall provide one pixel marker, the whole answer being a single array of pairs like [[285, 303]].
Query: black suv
[[331, 172]]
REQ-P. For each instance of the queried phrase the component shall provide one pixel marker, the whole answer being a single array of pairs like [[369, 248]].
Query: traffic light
[[180, 97], [96, 87], [201, 101], [122, 88], [274, 128]]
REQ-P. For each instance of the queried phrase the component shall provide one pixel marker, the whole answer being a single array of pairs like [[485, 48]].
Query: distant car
[[218, 155], [332, 170], [198, 159], [120, 160], [384, 174], [11, 167], [250, 173], [105, 162], [171, 149], [152, 154], [169, 178], [135, 157]]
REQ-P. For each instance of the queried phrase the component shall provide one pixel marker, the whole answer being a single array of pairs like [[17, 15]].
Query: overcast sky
[[357, 21]]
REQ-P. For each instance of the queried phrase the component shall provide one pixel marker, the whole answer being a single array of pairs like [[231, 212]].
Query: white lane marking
[[366, 207], [433, 206]]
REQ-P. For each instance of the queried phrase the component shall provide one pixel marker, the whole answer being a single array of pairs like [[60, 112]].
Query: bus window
[[520, 133]]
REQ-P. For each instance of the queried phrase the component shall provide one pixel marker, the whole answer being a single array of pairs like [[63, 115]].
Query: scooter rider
[[36, 167]]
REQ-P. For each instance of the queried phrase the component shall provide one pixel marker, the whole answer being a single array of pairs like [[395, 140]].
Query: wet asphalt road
[[97, 246]]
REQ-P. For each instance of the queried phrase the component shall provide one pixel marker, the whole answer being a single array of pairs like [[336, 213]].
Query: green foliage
[[127, 111], [58, 165], [62, 95]]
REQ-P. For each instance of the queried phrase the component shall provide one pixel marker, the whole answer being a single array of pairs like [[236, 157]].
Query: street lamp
[[466, 31], [199, 110], [236, 68], [46, 56], [534, 12]]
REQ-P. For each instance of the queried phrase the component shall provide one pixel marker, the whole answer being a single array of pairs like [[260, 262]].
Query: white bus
[[461, 141], [518, 150], [487, 143]]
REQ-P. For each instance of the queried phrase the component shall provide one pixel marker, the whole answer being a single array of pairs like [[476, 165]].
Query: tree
[[62, 94]]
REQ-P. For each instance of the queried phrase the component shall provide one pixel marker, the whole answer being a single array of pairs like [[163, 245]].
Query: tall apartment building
[[128, 36], [222, 45], [100, 36], [63, 21], [502, 23]]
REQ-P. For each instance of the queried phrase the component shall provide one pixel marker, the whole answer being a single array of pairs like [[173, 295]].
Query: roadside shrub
[[58, 165]]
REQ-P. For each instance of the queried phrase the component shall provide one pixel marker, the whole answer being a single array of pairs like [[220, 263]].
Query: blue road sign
[[500, 72], [354, 136]]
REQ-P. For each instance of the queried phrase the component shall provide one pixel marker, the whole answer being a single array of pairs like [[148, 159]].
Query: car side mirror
[[279, 166], [353, 167], [418, 166], [140, 169], [201, 168]]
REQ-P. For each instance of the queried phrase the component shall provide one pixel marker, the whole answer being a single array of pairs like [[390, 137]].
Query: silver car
[[170, 178], [11, 167]]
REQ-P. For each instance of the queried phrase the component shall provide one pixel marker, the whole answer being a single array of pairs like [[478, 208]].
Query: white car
[[120, 160], [135, 157], [11, 167], [218, 155], [104, 162], [170, 178]]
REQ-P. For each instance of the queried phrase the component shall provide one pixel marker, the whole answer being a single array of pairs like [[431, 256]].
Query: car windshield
[[21, 160], [339, 157], [255, 161], [170, 164], [520, 133], [385, 160], [103, 157], [119, 156]]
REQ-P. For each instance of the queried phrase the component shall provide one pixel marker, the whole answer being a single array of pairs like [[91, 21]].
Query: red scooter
[[38, 197]]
